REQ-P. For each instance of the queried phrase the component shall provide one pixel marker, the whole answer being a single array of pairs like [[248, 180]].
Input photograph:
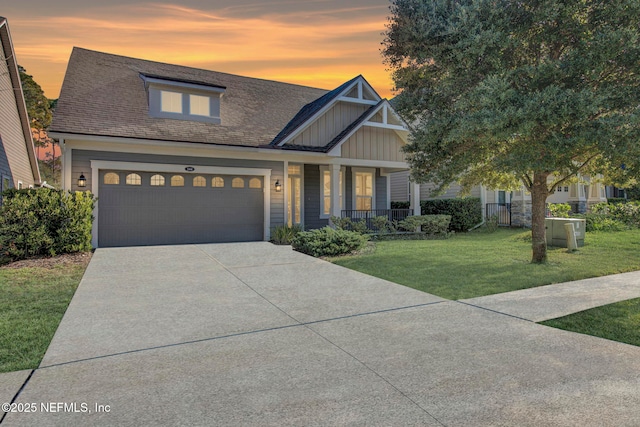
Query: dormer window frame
[[156, 86]]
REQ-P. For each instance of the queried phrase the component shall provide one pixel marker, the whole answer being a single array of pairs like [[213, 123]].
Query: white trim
[[285, 191], [66, 166], [182, 85], [385, 126], [20, 185], [331, 169], [358, 81], [98, 165], [357, 101], [354, 196], [415, 198]]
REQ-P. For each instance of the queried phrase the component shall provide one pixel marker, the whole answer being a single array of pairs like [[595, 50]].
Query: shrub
[[601, 222], [616, 200], [381, 224], [465, 212], [492, 224], [283, 234], [428, 224], [626, 213], [328, 242], [400, 205], [560, 210], [359, 226], [45, 222]]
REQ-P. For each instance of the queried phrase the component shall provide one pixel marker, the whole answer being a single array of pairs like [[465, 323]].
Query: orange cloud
[[321, 48]]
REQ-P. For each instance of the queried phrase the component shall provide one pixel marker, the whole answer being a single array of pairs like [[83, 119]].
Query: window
[[133, 179], [19, 185], [363, 190], [157, 181], [566, 189], [170, 102], [111, 178], [199, 181], [237, 183], [325, 197], [6, 183], [294, 188], [255, 183], [217, 182], [177, 181], [199, 105], [559, 189]]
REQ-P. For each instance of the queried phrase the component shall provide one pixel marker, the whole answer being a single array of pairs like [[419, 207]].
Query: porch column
[[335, 190], [415, 198]]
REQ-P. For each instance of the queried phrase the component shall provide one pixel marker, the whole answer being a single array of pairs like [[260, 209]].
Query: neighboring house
[[182, 155], [18, 163]]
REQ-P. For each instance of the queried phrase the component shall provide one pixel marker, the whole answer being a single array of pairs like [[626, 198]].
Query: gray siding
[[399, 186], [16, 156], [381, 191], [312, 198], [81, 163], [348, 197]]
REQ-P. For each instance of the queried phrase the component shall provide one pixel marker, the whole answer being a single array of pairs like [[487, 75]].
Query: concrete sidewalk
[[255, 334], [552, 301]]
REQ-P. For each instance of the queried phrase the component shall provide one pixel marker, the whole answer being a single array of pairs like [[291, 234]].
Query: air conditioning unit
[[557, 235]]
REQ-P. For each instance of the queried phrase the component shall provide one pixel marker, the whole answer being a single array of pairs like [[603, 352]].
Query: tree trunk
[[539, 193]]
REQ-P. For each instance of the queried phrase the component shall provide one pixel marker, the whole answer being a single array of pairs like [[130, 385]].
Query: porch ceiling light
[[278, 186], [82, 181]]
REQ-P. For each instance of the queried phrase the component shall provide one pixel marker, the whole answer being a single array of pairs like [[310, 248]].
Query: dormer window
[[183, 100]]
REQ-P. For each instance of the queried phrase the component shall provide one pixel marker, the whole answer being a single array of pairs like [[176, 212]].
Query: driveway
[[256, 334]]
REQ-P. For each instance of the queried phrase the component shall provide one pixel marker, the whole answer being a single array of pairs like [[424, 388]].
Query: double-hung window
[[364, 189]]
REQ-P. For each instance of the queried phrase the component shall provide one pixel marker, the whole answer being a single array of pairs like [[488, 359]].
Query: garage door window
[[157, 181], [111, 178], [237, 183], [217, 182], [199, 181], [177, 181], [133, 179], [255, 183]]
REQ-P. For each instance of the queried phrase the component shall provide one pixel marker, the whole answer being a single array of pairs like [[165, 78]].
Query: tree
[[510, 92], [40, 110]]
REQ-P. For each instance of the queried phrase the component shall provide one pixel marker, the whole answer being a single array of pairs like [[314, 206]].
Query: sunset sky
[[320, 43]]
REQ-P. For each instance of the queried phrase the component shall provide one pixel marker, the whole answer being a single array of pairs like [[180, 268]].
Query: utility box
[[557, 235]]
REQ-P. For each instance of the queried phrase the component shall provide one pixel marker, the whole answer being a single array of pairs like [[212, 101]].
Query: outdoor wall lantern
[[82, 181], [278, 186]]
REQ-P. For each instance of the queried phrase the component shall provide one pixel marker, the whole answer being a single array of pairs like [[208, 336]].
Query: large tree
[[510, 91]]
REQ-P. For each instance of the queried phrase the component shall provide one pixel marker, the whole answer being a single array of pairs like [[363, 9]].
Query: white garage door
[[143, 208]]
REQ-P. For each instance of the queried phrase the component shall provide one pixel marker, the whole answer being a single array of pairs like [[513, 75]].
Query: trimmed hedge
[[428, 224], [400, 205], [465, 212], [328, 242], [45, 222]]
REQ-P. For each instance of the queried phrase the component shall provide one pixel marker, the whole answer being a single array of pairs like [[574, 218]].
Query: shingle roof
[[104, 95]]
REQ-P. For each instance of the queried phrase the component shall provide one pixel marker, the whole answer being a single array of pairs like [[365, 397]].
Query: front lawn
[[475, 264], [32, 303], [617, 322]]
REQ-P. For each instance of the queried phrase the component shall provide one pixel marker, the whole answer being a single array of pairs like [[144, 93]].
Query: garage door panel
[[151, 215]]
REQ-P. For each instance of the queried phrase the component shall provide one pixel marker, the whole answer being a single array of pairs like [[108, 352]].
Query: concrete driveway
[[256, 334]]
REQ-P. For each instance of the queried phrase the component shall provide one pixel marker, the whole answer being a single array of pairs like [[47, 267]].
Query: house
[[511, 207], [18, 163], [182, 155]]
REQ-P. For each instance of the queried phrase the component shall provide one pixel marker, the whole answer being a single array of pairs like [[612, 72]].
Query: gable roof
[[8, 54], [103, 94]]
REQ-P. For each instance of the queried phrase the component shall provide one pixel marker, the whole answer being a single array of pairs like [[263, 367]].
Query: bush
[[616, 200], [400, 205], [465, 212], [601, 222], [492, 224], [382, 225], [45, 222], [428, 224], [626, 213], [359, 226], [560, 210], [328, 242], [284, 234]]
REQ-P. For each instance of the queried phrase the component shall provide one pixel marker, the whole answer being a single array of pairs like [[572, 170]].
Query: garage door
[[142, 208]]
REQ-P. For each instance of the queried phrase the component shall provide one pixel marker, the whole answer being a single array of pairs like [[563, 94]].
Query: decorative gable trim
[[365, 94], [387, 112]]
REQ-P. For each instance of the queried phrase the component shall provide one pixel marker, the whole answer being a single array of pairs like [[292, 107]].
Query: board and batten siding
[[372, 143], [81, 164], [329, 125], [16, 156]]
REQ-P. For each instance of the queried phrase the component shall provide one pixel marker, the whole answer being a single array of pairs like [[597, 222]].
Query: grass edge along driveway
[[32, 303]]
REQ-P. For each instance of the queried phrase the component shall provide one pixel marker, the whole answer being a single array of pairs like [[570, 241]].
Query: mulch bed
[[80, 258]]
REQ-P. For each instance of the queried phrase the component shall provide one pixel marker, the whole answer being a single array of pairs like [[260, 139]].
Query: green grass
[[475, 264], [617, 322], [32, 303]]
